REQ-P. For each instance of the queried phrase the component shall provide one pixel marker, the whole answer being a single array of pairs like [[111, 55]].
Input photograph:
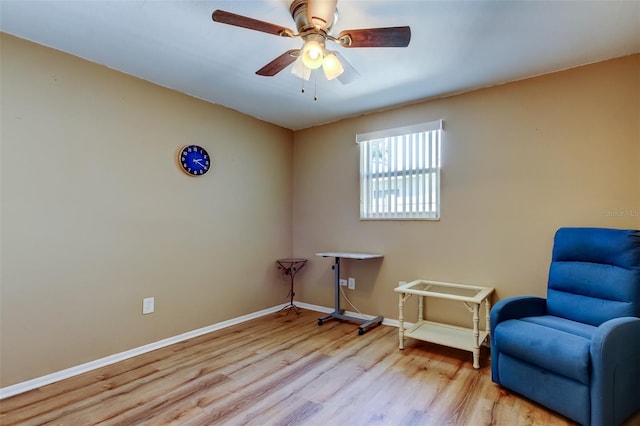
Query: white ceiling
[[456, 46]]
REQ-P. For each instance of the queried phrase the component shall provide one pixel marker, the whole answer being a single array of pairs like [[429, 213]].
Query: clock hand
[[198, 161]]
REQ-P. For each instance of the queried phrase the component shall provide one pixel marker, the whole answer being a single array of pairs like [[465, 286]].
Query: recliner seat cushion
[[563, 324], [555, 350]]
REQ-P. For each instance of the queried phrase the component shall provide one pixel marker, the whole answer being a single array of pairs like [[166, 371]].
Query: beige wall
[[96, 214], [519, 161]]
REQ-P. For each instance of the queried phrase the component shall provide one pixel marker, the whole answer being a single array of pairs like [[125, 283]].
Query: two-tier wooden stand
[[468, 339]]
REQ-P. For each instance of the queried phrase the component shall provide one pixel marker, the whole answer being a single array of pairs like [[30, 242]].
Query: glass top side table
[[472, 296], [290, 267]]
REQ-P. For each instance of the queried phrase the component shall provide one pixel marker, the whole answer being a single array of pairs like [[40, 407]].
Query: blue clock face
[[194, 160]]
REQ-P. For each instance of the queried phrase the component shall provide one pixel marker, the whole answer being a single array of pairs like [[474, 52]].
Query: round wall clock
[[194, 160]]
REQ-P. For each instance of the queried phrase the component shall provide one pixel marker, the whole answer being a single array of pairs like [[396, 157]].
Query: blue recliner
[[577, 352]]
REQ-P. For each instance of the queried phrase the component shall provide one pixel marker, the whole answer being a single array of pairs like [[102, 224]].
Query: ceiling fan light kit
[[313, 51], [314, 20], [299, 70], [331, 66]]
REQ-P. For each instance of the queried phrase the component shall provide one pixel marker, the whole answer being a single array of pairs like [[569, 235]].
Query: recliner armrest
[[615, 357], [511, 308], [517, 307]]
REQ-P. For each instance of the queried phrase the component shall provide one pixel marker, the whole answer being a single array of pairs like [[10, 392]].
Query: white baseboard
[[112, 359]]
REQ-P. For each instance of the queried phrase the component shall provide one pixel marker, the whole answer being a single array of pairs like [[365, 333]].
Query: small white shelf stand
[[444, 334]]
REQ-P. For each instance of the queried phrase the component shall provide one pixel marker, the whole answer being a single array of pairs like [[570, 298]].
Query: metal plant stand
[[290, 267]]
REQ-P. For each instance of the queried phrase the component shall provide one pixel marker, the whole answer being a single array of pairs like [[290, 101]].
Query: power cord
[[349, 301]]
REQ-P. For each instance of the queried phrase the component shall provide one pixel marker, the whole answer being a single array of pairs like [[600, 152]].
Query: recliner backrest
[[594, 274]]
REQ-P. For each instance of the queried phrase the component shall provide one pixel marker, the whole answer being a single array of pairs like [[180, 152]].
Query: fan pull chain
[[315, 87]]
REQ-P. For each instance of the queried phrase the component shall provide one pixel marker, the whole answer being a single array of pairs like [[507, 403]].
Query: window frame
[[424, 171]]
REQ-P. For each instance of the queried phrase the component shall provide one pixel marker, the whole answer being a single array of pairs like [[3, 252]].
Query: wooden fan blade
[[349, 74], [279, 63], [376, 37], [250, 23]]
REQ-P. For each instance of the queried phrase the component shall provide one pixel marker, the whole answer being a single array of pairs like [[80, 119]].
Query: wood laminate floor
[[284, 370]]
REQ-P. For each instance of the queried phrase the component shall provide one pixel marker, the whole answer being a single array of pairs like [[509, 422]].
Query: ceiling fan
[[314, 20]]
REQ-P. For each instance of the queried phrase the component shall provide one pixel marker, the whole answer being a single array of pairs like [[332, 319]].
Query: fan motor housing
[[298, 10]]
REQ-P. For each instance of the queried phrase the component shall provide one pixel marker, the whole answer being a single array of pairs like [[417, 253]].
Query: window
[[400, 172]]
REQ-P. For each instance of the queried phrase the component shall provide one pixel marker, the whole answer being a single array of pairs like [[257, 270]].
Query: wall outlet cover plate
[[148, 305]]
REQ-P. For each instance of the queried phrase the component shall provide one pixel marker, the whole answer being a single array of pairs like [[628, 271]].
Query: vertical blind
[[400, 172]]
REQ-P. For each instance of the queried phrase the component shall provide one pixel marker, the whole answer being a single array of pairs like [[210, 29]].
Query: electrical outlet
[[343, 282], [352, 283], [148, 305]]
